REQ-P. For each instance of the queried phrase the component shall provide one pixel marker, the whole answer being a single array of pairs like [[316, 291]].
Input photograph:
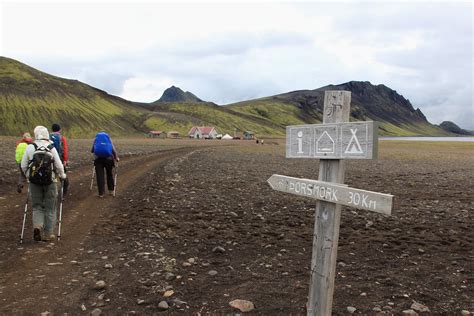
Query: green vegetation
[[182, 116], [29, 97]]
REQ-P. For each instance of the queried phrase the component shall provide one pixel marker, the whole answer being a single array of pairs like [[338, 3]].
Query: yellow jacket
[[20, 150]]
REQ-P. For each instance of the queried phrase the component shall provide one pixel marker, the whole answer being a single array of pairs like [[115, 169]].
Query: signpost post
[[335, 139]]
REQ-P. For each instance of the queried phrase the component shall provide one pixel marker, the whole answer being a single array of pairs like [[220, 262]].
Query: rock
[[186, 264], [465, 313], [178, 302], [168, 293], [140, 302], [418, 307], [351, 309], [242, 305], [191, 260], [83, 307], [99, 285], [218, 249], [96, 312], [163, 305], [108, 266], [363, 294], [45, 313], [212, 273], [55, 263], [377, 309], [234, 214], [409, 312], [368, 224], [169, 276]]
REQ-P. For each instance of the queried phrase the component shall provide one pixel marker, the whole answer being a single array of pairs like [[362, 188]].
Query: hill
[[175, 94], [396, 115], [29, 97], [182, 116], [453, 128]]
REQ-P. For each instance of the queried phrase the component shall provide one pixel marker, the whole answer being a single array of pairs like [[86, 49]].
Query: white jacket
[[42, 139]]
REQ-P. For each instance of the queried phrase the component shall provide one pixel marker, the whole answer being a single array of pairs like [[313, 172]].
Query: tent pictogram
[[354, 146]]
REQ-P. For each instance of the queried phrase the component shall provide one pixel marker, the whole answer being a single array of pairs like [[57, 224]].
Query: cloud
[[236, 51]]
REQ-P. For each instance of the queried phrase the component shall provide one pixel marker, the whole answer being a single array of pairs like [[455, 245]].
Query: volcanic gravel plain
[[194, 226]]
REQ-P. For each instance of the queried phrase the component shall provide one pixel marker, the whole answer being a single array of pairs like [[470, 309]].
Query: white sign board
[[352, 140], [334, 193]]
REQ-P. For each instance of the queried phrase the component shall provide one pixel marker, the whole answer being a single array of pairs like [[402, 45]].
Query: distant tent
[[227, 136]]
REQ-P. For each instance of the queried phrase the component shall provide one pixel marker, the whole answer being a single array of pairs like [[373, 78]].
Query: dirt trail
[[32, 271]]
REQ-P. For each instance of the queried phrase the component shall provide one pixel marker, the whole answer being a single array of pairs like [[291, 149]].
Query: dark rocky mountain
[[453, 128], [175, 94], [368, 102]]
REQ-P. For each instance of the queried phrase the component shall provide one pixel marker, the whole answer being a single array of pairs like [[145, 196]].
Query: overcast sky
[[231, 52]]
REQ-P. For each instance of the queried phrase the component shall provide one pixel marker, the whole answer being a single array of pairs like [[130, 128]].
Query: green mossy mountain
[[29, 97], [175, 94]]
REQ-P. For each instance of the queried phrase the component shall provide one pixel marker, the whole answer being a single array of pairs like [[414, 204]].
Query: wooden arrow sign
[[335, 193]]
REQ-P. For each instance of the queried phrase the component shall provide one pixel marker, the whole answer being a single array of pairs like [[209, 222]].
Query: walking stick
[[115, 178], [92, 180], [24, 215], [60, 209]]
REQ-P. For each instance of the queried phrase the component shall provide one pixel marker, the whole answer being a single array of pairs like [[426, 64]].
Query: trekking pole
[[92, 180], [24, 215], [60, 209], [115, 178]]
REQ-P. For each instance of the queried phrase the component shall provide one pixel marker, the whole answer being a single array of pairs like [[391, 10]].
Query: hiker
[[60, 143], [19, 151], [105, 157], [41, 164]]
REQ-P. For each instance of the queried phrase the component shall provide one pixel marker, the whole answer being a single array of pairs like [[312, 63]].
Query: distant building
[[249, 135], [157, 134], [205, 132], [173, 134]]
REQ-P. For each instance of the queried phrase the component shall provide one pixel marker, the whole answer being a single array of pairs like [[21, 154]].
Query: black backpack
[[41, 166]]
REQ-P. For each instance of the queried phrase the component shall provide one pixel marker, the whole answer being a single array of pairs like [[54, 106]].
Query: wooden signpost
[[335, 139]]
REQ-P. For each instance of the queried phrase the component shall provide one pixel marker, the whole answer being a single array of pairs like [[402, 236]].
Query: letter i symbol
[[300, 142]]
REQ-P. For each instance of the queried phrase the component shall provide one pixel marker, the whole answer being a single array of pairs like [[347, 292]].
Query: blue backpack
[[102, 145], [58, 144]]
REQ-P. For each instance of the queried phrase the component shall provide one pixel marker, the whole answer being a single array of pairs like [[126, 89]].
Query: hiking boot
[[49, 237], [111, 193], [37, 234], [100, 196]]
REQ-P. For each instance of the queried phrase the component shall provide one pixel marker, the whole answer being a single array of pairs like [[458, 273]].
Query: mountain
[[453, 128], [29, 97], [396, 115], [175, 94]]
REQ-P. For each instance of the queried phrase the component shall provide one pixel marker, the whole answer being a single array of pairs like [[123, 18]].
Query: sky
[[226, 52]]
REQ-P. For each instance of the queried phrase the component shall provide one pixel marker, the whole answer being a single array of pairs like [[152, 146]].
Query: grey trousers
[[43, 200]]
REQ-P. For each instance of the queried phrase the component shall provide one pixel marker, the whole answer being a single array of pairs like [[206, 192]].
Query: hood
[[41, 132]]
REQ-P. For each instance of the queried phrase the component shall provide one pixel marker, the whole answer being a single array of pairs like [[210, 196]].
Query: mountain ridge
[[31, 97]]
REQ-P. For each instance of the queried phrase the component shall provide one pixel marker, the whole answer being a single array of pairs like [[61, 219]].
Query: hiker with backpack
[[19, 152], [60, 143], [41, 164], [105, 157]]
